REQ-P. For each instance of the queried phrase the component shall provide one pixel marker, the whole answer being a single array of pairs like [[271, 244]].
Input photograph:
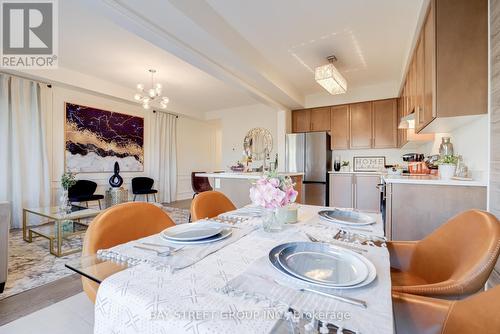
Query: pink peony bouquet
[[273, 191]]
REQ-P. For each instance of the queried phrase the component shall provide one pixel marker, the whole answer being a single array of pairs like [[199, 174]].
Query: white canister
[[446, 171]]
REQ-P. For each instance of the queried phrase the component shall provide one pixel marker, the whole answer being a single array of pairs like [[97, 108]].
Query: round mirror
[[258, 143]]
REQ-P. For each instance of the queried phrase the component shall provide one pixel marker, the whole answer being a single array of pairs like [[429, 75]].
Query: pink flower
[[266, 192]]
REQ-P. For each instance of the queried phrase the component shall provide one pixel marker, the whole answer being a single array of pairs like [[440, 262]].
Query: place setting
[[178, 246]]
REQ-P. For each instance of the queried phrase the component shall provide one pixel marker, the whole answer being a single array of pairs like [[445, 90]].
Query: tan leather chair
[[477, 314], [120, 224], [209, 204], [452, 262]]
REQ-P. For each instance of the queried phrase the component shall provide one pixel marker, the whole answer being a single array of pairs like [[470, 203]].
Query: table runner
[[149, 299]]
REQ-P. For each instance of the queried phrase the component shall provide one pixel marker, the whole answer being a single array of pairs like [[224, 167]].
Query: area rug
[[31, 265]]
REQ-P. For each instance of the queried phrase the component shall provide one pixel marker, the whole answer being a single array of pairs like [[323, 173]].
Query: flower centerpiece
[[68, 180], [273, 192]]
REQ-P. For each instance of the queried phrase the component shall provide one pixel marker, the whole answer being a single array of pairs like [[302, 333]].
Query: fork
[[337, 243]]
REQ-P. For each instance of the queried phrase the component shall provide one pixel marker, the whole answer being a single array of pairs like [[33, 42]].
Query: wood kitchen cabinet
[[385, 123], [339, 119], [320, 119], [301, 120], [358, 191], [402, 133], [361, 129], [448, 73]]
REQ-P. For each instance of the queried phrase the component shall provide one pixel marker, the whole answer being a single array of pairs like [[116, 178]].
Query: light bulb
[[165, 99], [158, 86], [137, 97], [146, 106], [140, 87], [152, 92]]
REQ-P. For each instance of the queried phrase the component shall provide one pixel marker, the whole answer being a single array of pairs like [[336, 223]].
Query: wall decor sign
[[95, 139], [368, 164]]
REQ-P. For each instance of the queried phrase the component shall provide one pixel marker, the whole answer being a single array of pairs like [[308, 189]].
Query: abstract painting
[[95, 139]]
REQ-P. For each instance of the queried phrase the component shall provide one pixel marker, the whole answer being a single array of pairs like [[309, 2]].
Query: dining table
[[230, 285]]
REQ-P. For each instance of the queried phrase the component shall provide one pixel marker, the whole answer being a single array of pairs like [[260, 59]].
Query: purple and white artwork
[[95, 139]]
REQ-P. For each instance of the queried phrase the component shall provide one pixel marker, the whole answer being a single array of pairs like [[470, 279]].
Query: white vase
[[446, 171]]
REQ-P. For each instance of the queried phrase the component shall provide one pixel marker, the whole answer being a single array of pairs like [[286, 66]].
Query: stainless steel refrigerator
[[310, 153]]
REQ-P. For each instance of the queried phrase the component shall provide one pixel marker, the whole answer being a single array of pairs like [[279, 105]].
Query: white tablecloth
[[149, 299]]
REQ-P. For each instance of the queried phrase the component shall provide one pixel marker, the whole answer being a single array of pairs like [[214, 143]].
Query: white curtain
[[24, 167], [164, 155]]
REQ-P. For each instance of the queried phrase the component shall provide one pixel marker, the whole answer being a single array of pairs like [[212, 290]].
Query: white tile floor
[[73, 315]]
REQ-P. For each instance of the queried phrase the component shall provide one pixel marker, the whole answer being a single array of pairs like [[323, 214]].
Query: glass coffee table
[[62, 225]]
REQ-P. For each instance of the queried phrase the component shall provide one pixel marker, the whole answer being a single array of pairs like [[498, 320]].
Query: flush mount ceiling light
[[330, 78], [151, 95]]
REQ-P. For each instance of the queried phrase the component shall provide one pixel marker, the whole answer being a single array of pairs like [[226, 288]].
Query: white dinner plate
[[192, 231], [346, 217], [273, 258], [223, 235], [323, 264]]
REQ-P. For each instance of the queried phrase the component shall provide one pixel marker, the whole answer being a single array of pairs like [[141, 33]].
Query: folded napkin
[[244, 213], [261, 281], [185, 254]]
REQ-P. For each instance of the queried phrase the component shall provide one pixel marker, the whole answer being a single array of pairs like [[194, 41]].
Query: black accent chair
[[143, 186], [83, 191]]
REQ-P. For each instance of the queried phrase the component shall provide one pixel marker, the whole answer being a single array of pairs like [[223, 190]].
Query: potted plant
[[274, 193], [345, 166], [447, 166], [68, 180]]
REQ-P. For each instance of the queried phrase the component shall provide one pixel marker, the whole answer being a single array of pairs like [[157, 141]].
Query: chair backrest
[[464, 249], [200, 183], [476, 314], [123, 223], [82, 188], [142, 183], [210, 204]]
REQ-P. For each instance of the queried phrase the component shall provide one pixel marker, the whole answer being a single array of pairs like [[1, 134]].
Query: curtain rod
[[49, 84], [166, 112]]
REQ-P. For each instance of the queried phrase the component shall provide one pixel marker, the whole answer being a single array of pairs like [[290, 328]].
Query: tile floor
[[73, 315]]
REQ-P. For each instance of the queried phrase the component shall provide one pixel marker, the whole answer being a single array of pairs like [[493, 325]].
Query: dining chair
[[83, 191], [209, 204], [452, 262], [120, 224], [199, 184], [425, 315], [143, 186]]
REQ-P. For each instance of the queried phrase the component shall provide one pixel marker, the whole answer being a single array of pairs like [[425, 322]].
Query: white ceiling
[[216, 54], [92, 44], [370, 38]]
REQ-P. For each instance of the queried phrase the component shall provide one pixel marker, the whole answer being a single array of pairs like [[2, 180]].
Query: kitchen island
[[236, 185]]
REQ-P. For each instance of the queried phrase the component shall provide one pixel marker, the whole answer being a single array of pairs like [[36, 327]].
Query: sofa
[[5, 217]]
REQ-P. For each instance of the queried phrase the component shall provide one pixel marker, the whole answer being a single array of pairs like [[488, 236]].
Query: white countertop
[[351, 172], [242, 175], [431, 180]]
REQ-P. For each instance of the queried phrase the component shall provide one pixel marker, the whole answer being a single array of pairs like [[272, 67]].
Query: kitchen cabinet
[[361, 129], [446, 82], [339, 127], [402, 133], [301, 120], [385, 123], [358, 191], [320, 119], [412, 211]]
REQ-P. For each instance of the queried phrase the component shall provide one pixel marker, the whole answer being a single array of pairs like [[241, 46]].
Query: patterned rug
[[31, 265]]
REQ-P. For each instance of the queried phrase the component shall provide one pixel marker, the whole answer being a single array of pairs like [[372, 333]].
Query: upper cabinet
[[340, 127], [448, 72], [385, 123], [320, 119], [301, 120], [361, 128], [364, 125]]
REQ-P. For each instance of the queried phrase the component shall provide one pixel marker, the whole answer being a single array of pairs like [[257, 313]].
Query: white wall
[[234, 123], [470, 141], [195, 141]]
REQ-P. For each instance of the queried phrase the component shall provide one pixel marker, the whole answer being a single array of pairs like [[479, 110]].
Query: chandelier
[[330, 78], [151, 95]]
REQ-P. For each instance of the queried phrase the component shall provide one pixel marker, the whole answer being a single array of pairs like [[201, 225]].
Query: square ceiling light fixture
[[330, 78]]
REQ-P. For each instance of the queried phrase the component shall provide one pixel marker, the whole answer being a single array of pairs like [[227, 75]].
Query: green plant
[[68, 180], [448, 160], [345, 163]]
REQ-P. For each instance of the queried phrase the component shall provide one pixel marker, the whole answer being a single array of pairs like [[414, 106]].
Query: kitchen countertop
[[242, 175], [351, 172], [431, 180]]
